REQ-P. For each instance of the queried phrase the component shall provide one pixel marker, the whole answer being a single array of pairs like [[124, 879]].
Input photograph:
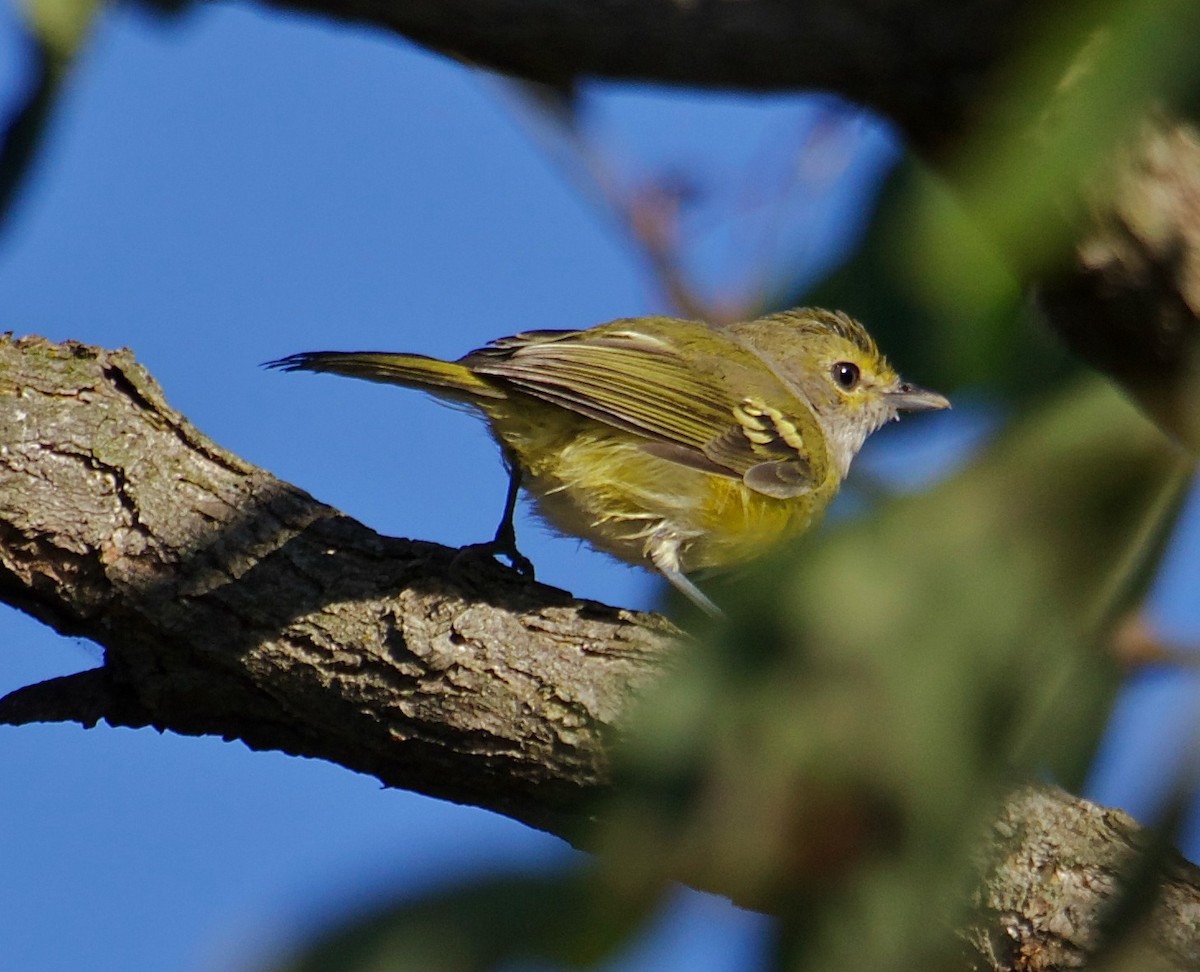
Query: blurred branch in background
[[720, 244], [926, 64], [1130, 305], [55, 33], [1136, 644], [56, 28], [1084, 184]]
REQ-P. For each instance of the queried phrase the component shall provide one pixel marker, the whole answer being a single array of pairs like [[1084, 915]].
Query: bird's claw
[[498, 548]]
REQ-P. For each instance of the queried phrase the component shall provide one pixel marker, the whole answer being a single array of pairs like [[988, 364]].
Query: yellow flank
[[599, 483]]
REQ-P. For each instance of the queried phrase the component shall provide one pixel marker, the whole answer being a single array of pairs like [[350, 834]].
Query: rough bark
[[1054, 870], [1128, 301], [231, 604]]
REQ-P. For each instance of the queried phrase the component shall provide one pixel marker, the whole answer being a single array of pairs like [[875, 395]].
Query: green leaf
[[569, 920]]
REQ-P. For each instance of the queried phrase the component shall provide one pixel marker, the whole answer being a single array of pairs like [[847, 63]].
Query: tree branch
[[1128, 302], [229, 603], [919, 63], [1054, 869]]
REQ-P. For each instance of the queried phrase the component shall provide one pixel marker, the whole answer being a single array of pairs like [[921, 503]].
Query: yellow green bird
[[668, 443]]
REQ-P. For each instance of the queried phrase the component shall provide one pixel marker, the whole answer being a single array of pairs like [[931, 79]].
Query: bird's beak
[[910, 398]]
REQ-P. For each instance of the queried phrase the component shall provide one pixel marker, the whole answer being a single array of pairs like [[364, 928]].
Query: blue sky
[[236, 185]]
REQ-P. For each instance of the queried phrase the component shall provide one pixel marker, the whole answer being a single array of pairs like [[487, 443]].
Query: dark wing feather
[[633, 381]]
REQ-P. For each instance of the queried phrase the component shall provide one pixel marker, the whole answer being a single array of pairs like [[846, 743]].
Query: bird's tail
[[452, 379]]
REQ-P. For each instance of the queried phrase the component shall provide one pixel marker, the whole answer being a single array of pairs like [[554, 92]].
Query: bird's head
[[833, 364]]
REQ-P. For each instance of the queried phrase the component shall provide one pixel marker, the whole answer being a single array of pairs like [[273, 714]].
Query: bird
[[678, 445]]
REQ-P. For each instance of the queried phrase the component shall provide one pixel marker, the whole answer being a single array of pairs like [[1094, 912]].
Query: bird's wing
[[683, 403]]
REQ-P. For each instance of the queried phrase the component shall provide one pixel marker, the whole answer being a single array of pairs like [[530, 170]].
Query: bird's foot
[[498, 548]]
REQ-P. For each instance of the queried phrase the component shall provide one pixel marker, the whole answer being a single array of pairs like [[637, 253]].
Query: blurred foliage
[[1080, 90], [831, 754], [56, 31], [998, 347], [23, 130], [59, 26], [942, 275], [571, 920]]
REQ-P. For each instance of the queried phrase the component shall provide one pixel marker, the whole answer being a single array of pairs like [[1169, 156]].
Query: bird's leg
[[505, 541], [664, 554], [504, 544], [689, 590]]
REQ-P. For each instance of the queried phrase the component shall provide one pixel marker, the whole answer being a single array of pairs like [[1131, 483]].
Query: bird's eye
[[846, 374]]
